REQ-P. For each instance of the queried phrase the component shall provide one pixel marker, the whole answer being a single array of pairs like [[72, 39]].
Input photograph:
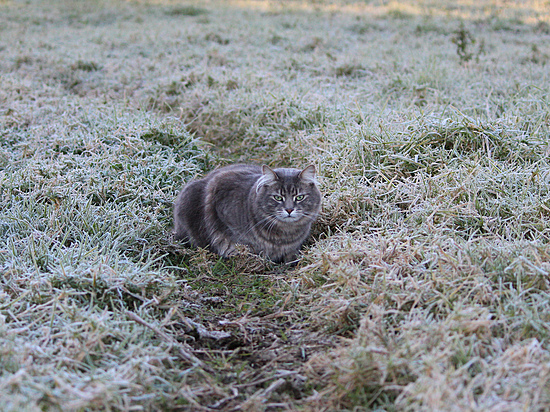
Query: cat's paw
[[289, 259], [224, 247]]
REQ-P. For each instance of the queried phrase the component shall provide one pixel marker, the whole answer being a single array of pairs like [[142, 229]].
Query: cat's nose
[[289, 211]]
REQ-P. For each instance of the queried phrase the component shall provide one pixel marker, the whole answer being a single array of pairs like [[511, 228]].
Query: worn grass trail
[[424, 285]]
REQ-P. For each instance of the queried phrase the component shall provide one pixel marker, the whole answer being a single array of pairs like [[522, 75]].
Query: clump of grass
[[464, 41], [381, 368], [362, 28], [345, 70], [536, 56], [85, 66], [191, 11], [412, 335]]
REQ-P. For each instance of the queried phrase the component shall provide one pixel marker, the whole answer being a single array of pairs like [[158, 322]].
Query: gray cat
[[271, 211]]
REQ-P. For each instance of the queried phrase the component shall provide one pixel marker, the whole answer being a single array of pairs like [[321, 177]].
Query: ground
[[424, 285]]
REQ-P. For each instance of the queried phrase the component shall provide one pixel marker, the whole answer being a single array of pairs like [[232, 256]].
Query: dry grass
[[425, 283]]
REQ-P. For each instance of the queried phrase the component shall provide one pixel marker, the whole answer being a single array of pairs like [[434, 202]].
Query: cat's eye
[[299, 198], [278, 198]]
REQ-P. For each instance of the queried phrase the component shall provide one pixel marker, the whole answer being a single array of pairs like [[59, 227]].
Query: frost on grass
[[424, 285], [430, 364], [85, 211], [430, 319], [437, 277]]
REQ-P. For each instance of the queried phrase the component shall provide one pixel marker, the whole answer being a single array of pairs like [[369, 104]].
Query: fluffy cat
[[269, 210]]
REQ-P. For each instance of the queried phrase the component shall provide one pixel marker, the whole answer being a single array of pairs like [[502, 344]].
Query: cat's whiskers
[[241, 237], [271, 225], [309, 216]]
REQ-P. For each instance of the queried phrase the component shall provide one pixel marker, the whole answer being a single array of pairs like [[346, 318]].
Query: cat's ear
[[308, 174], [268, 176]]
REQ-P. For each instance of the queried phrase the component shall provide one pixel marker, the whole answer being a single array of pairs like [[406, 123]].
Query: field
[[425, 284]]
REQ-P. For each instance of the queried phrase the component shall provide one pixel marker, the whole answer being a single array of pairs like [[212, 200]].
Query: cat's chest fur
[[271, 211]]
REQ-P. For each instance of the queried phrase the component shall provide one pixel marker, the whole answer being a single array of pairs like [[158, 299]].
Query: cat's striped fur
[[271, 211]]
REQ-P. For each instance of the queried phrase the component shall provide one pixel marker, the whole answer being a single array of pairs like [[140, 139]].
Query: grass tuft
[[186, 11]]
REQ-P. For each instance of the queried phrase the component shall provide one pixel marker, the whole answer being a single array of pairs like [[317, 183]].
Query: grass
[[424, 285]]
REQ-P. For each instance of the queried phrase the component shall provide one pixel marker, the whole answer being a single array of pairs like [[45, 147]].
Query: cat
[[269, 210]]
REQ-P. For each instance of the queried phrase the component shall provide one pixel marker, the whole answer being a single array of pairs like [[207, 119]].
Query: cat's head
[[289, 195]]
